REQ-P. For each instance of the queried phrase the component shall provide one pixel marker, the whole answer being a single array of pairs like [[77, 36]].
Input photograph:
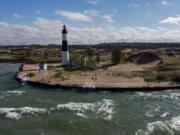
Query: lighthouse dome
[[64, 31]]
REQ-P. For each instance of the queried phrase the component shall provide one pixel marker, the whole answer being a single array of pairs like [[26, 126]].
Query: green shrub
[[90, 67], [176, 78], [31, 74], [117, 56], [74, 58], [90, 52], [45, 55], [50, 67], [20, 56], [82, 61], [61, 75], [159, 52], [58, 75], [98, 58], [162, 77], [150, 79], [28, 52]]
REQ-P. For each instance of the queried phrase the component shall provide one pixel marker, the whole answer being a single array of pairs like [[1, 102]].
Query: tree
[[122, 55], [28, 52], [45, 55], [117, 56], [90, 52], [20, 56], [162, 77], [82, 62], [98, 58]]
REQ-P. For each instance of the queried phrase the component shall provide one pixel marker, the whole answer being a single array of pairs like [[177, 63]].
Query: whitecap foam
[[17, 113], [103, 109], [177, 94], [106, 109], [149, 114], [175, 123], [14, 92], [164, 114], [152, 110], [13, 115], [167, 126], [81, 107], [157, 109], [152, 127], [6, 110], [144, 94], [11, 93], [31, 110], [140, 132], [158, 125], [81, 115], [157, 95]]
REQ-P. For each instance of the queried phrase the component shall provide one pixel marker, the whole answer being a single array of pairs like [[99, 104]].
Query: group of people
[[94, 78]]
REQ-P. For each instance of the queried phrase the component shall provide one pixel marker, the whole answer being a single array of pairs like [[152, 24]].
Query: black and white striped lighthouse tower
[[65, 52]]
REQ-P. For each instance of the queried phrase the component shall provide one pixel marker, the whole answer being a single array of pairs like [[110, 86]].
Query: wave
[[164, 114], [15, 92], [153, 95], [172, 127], [149, 114], [153, 110], [104, 109], [17, 113], [10, 93], [173, 96], [81, 115]]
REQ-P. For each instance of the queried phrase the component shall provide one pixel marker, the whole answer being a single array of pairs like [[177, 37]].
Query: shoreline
[[81, 84], [96, 89]]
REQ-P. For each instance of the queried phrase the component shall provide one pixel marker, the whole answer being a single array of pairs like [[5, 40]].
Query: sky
[[89, 21]]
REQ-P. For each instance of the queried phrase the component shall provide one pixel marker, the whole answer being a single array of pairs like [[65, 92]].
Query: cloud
[[91, 12], [18, 34], [17, 16], [134, 5], [93, 2], [74, 16], [108, 18], [171, 20], [47, 31], [165, 3], [47, 24]]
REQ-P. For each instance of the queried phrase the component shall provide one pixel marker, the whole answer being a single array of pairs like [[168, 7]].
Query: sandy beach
[[118, 76]]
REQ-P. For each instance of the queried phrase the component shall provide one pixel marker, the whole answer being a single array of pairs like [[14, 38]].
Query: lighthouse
[[65, 52]]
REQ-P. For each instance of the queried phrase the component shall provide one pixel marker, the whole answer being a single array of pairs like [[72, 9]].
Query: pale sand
[[115, 76]]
